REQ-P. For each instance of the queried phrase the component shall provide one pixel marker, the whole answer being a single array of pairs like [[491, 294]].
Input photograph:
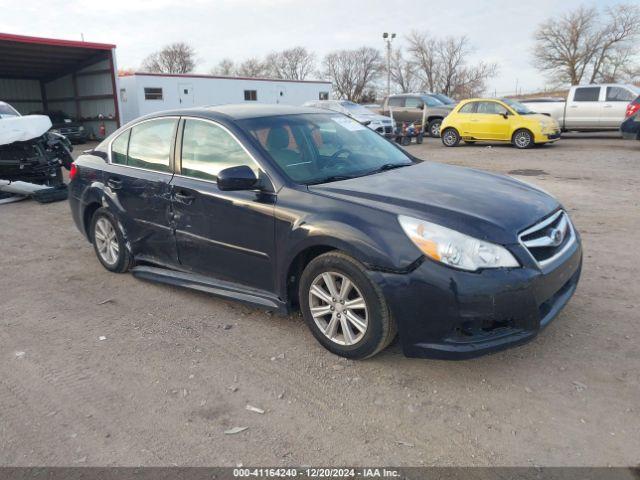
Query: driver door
[[227, 235]]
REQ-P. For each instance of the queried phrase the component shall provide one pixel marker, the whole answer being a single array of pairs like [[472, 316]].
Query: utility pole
[[388, 38]]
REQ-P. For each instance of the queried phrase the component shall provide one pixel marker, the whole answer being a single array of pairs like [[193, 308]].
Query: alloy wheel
[[338, 308], [435, 129], [522, 139], [450, 138], [106, 241]]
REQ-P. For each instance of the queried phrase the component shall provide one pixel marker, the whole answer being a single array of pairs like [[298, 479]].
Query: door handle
[[114, 183], [184, 198]]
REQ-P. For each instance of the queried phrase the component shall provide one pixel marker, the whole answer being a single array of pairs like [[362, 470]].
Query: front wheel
[[450, 137], [522, 139], [343, 308], [434, 127]]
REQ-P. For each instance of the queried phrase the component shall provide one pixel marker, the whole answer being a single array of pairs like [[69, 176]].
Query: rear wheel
[[434, 127], [522, 139], [344, 310], [108, 242], [450, 137]]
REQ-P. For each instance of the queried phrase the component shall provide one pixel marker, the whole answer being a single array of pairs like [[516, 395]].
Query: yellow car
[[493, 120]]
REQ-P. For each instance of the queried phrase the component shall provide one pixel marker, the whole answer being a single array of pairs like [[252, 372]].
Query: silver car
[[376, 122]]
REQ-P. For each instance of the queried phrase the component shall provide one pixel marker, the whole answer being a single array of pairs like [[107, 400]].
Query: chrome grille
[[549, 239]]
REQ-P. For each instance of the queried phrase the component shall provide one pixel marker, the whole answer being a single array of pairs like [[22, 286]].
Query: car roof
[[240, 111]]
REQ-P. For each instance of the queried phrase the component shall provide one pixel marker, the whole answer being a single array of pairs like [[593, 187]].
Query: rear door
[[137, 187], [395, 108], [584, 109], [226, 235], [615, 106], [413, 107]]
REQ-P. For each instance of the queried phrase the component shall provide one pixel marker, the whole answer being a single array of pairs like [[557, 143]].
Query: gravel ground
[[104, 369]]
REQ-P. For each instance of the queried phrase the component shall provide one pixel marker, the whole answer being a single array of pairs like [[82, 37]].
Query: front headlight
[[454, 248]]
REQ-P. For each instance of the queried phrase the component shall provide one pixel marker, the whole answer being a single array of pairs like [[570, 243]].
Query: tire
[[522, 139], [450, 137], [373, 329], [434, 127], [116, 259]]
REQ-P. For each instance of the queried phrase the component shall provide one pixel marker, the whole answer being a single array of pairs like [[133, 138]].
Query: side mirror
[[420, 107], [237, 178], [366, 122], [505, 115]]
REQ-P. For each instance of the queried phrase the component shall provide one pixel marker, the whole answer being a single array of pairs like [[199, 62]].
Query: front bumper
[[452, 314], [547, 137]]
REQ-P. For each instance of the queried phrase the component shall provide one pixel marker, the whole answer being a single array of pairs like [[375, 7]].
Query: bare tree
[[402, 72], [353, 71], [587, 45], [423, 50], [441, 65], [177, 57], [225, 68], [252, 68], [295, 63]]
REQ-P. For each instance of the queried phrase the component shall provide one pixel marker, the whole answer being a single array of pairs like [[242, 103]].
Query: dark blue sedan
[[296, 208]]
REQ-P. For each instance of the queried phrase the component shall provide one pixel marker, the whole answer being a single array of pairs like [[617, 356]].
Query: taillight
[[73, 171], [632, 108]]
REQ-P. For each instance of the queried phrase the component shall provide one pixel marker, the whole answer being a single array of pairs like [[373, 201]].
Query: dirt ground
[[104, 369]]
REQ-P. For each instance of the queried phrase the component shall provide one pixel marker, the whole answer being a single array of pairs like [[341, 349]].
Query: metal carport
[[44, 74]]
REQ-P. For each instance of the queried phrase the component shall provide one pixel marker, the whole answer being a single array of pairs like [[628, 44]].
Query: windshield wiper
[[332, 178], [388, 166]]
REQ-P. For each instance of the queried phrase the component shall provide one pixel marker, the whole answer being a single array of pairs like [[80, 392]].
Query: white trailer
[[144, 93]]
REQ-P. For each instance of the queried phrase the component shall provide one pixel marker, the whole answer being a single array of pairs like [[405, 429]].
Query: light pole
[[388, 38]]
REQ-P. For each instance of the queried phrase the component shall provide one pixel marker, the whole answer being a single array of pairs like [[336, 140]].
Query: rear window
[[587, 94]]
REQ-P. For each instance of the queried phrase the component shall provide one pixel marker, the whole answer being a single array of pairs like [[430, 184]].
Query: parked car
[[497, 120], [630, 128], [28, 151], [408, 107], [285, 207], [378, 123], [589, 107], [66, 125]]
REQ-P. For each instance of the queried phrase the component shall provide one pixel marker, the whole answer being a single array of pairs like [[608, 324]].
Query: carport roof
[[46, 58]]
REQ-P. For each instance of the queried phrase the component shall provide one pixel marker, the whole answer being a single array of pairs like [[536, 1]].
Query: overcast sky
[[500, 30]]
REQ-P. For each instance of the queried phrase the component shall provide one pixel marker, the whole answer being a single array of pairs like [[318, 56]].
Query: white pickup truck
[[588, 108]]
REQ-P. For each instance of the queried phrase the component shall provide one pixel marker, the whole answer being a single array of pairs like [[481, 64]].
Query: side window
[[208, 148], [586, 94], [150, 144], [396, 102], [413, 102], [491, 108], [619, 94], [119, 148], [468, 107]]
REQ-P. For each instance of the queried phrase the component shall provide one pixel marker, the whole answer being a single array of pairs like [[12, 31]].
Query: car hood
[[484, 205], [373, 117]]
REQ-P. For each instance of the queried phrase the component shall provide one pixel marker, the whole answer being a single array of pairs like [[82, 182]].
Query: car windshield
[[60, 117], [517, 106], [7, 110], [355, 108], [320, 148], [432, 101], [444, 99]]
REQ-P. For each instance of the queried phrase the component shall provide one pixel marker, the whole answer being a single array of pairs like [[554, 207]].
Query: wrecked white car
[[28, 151]]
